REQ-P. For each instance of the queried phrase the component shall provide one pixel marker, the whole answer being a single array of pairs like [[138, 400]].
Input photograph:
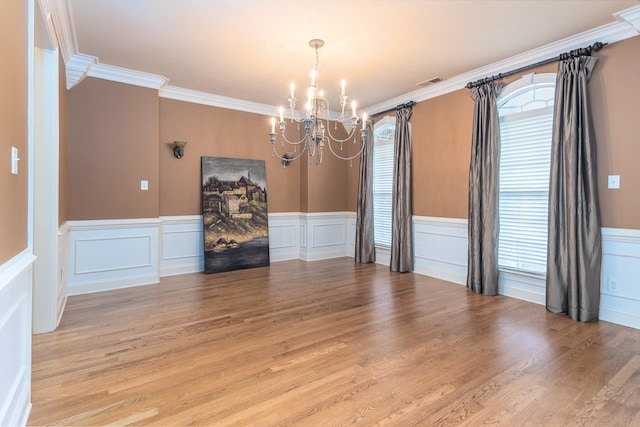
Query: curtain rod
[[409, 104], [584, 51]]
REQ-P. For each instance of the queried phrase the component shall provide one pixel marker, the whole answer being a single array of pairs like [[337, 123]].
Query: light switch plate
[[613, 182], [14, 160], [144, 185]]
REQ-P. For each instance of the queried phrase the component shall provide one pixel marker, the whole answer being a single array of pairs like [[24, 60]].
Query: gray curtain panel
[[401, 206], [365, 248], [482, 264], [575, 247]]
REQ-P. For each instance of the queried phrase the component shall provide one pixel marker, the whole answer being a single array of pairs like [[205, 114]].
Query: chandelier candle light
[[316, 122]]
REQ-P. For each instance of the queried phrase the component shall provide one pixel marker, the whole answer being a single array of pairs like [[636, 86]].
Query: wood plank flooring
[[328, 343]]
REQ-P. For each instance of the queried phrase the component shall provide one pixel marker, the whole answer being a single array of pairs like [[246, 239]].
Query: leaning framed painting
[[234, 214]]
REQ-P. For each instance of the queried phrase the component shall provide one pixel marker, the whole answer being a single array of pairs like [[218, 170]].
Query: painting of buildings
[[234, 212]]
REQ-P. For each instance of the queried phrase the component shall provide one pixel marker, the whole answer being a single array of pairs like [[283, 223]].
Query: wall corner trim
[[77, 68]]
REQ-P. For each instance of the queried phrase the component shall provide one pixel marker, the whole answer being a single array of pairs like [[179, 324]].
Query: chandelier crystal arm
[[363, 143], [284, 137], [286, 157], [354, 123]]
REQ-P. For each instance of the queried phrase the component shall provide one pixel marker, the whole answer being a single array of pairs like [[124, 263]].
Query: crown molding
[[63, 24], [631, 16], [625, 28], [204, 98], [45, 8], [188, 95], [78, 65], [77, 68], [125, 75]]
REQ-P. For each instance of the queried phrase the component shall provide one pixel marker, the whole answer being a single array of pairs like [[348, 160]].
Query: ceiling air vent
[[429, 82]]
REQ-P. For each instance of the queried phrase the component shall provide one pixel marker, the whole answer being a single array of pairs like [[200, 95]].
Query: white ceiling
[[252, 49]]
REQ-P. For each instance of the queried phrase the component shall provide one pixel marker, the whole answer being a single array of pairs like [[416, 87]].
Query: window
[[383, 136], [526, 125]]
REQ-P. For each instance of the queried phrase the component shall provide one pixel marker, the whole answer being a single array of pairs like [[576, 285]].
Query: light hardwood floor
[[328, 343]]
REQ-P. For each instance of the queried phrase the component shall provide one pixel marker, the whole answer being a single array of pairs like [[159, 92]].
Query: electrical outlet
[[144, 185], [613, 286], [613, 182]]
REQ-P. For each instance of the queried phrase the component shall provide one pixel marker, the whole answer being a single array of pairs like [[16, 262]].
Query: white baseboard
[[16, 281], [101, 285]]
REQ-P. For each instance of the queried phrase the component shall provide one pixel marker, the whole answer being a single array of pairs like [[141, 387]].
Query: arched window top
[[531, 92], [384, 129]]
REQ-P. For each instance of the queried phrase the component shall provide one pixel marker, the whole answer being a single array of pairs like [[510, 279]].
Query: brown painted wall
[[62, 150], [13, 127], [615, 94], [103, 115], [442, 141], [219, 132], [327, 184], [112, 146]]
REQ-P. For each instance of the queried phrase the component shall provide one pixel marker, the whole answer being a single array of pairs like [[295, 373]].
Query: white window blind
[[382, 183], [525, 155]]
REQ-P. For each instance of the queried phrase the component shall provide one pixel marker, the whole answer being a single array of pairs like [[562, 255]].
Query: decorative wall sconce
[[178, 149], [286, 159]]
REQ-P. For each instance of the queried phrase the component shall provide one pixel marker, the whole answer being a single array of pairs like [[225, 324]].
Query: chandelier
[[317, 126]]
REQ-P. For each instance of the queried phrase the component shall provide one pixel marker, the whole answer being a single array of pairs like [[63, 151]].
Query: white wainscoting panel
[[182, 245], [440, 248], [383, 256], [63, 274], [326, 235], [620, 265], [16, 281], [182, 239], [528, 287], [284, 236], [351, 234], [112, 254]]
